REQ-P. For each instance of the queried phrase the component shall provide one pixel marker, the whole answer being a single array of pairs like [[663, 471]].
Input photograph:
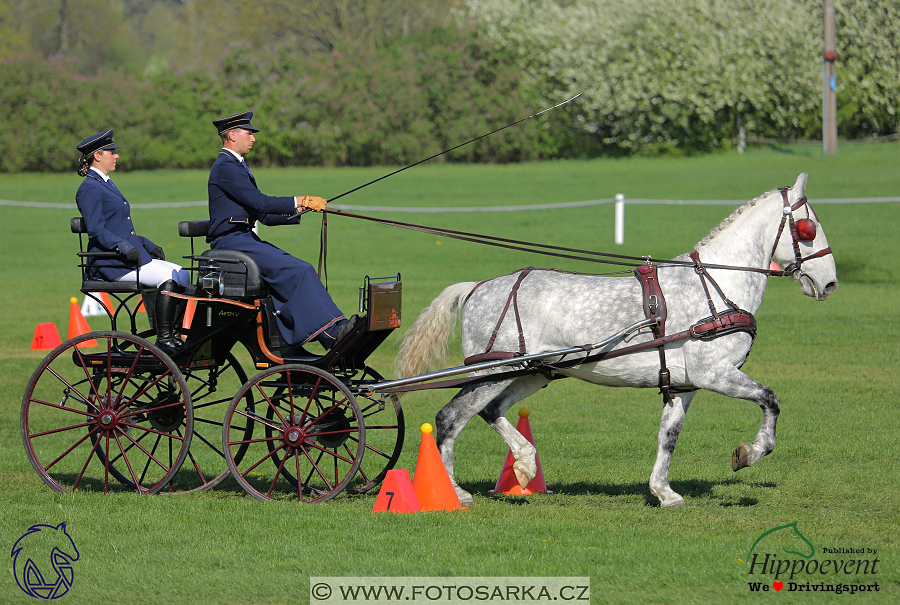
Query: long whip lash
[[452, 148]]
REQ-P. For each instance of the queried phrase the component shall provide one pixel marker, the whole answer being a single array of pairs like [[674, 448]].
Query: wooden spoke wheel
[[384, 433], [212, 390], [107, 404], [308, 435]]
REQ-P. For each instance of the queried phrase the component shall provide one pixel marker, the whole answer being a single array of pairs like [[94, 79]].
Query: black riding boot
[[167, 323]]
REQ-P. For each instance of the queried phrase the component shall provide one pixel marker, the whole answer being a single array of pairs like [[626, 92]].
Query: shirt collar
[[105, 177], [239, 157]]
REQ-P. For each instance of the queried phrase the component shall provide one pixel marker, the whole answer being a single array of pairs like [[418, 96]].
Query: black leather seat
[[77, 225], [228, 273], [236, 270]]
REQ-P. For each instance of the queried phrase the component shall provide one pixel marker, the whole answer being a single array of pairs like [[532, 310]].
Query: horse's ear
[[799, 188]]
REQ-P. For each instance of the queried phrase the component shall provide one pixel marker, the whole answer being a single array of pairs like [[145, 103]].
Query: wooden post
[[829, 101]]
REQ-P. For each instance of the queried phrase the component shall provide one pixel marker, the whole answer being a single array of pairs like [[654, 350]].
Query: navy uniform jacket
[[107, 216], [303, 304]]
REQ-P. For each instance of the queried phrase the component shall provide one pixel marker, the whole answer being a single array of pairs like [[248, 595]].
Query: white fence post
[[620, 218]]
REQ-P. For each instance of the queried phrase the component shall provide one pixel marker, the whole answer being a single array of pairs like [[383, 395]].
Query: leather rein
[[716, 325], [591, 255]]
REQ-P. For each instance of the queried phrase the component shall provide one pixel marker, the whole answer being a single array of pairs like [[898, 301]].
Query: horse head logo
[[787, 539], [30, 556]]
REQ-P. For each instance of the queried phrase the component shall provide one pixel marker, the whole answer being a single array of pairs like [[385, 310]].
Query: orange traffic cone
[[397, 494], [188, 314], [431, 482], [140, 307], [508, 483], [45, 337], [107, 303], [78, 325]]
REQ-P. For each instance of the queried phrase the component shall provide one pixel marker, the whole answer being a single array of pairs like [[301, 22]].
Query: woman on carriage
[[107, 216]]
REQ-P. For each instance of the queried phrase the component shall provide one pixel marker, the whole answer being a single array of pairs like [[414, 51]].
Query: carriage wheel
[[384, 434], [212, 390], [119, 409], [308, 426]]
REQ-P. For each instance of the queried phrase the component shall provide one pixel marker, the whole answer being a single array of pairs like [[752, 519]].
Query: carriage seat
[[226, 273], [77, 225]]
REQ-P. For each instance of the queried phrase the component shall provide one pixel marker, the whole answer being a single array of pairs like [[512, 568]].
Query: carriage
[[307, 427], [109, 410]]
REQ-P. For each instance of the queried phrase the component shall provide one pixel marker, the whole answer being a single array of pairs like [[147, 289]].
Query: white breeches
[[157, 272]]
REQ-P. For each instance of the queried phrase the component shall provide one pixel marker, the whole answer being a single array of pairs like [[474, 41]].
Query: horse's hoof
[[465, 498], [672, 503], [523, 475], [741, 457]]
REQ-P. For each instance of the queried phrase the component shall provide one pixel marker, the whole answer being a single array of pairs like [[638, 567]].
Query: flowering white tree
[[684, 76]]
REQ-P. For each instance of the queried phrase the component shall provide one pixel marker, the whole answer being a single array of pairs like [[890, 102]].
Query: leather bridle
[[794, 269]]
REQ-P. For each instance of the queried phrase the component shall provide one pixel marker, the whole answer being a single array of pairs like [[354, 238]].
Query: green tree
[[13, 41], [92, 32]]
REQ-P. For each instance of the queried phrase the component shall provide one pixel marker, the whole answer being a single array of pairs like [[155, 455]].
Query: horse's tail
[[426, 341]]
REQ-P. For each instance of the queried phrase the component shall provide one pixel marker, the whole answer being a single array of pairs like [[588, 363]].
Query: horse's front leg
[[523, 452], [454, 416], [669, 428], [728, 380]]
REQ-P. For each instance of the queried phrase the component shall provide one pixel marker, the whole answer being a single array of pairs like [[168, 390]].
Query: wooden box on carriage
[[382, 301]]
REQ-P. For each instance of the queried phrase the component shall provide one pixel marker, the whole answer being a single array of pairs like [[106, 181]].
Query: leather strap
[[512, 299], [655, 308]]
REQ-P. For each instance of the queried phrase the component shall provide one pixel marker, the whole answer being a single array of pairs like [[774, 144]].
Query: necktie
[[113, 185], [244, 164]]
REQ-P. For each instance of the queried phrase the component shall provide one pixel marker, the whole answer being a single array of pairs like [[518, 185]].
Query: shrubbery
[[423, 94], [657, 77]]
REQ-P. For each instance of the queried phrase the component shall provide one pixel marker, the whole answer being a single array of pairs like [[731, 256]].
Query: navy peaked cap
[[238, 120], [101, 140]]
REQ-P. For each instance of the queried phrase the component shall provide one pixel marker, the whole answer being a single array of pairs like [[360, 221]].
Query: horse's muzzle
[[811, 289]]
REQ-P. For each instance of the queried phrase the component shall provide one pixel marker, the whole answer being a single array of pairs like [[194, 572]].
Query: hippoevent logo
[[42, 561], [782, 558]]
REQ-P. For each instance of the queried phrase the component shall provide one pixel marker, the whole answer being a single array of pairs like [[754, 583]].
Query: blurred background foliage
[[363, 82]]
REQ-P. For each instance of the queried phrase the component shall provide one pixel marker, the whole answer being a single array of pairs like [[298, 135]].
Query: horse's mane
[[731, 218]]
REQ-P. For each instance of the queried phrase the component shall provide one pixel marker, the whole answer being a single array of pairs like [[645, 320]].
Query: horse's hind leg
[[471, 400], [669, 428], [728, 380]]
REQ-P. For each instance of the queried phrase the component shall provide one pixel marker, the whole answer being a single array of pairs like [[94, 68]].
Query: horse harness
[[654, 303], [716, 325]]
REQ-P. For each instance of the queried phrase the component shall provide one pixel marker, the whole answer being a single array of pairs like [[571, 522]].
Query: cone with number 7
[[397, 494]]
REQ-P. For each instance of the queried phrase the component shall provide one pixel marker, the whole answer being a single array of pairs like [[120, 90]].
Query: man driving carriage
[[304, 309]]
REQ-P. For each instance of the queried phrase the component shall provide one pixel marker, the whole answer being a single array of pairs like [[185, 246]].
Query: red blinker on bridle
[[806, 230], [802, 230]]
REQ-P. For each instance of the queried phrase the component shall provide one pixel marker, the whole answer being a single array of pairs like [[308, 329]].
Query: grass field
[[833, 366]]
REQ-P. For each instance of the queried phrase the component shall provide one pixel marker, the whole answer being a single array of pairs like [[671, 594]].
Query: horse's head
[[801, 247]]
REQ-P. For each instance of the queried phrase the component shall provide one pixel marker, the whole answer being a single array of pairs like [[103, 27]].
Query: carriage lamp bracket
[[213, 282]]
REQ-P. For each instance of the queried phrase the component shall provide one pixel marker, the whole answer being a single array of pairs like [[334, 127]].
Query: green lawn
[[833, 366]]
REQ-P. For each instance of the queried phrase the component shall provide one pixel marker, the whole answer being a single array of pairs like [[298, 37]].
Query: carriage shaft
[[487, 365]]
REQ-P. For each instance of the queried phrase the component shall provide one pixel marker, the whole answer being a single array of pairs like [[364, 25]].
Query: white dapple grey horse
[[558, 311]]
